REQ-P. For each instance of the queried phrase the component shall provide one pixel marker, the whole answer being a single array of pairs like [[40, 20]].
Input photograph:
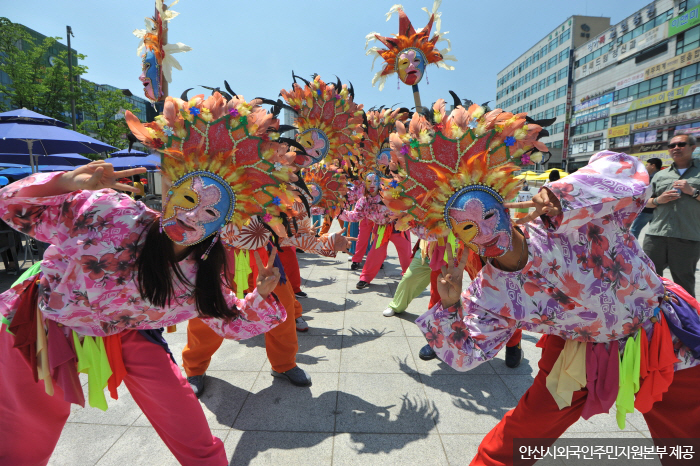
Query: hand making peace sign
[[544, 202], [98, 175], [449, 282], [268, 275]]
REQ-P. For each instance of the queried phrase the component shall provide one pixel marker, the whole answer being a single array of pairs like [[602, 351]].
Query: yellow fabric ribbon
[[43, 369], [629, 379], [568, 375], [243, 270], [92, 360]]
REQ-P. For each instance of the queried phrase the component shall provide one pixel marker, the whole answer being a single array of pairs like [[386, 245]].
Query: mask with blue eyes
[[373, 182], [477, 217]]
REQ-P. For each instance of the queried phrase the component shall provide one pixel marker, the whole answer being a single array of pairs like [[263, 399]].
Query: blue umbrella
[[126, 153], [57, 159], [121, 163], [34, 139], [27, 116], [21, 172]]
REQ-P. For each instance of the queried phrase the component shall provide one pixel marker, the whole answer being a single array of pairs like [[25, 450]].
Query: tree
[[36, 84], [103, 112]]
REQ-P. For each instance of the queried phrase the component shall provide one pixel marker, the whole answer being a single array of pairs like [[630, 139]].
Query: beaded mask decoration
[[329, 122], [225, 160], [157, 60], [457, 170], [374, 149], [408, 53], [328, 188]]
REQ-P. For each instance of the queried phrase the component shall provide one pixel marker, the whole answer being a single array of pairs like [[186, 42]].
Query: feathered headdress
[[152, 39], [440, 157], [233, 140], [375, 148], [328, 187], [329, 122], [409, 39]]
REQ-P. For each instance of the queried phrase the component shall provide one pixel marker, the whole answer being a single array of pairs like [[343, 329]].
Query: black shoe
[[382, 266], [361, 284], [514, 354], [300, 294], [426, 353], [300, 251], [296, 376], [356, 266], [197, 384]]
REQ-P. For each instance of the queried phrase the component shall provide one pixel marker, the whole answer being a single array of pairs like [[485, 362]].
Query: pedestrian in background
[[673, 236], [554, 175], [653, 166]]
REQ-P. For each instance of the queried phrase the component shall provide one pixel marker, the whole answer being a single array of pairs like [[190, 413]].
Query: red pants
[[538, 416], [362, 240], [435, 298], [31, 421], [288, 256], [376, 256]]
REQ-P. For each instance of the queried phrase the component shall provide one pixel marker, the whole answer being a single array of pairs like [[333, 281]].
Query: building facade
[[539, 82], [635, 84]]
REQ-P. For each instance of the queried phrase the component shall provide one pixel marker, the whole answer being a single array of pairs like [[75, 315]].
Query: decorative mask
[[384, 158], [477, 217], [410, 65], [316, 144], [151, 76], [316, 193], [196, 207], [373, 181]]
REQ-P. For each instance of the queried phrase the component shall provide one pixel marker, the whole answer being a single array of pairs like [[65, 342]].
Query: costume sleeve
[[358, 214], [63, 219], [257, 316], [612, 185], [357, 190], [465, 335], [322, 245]]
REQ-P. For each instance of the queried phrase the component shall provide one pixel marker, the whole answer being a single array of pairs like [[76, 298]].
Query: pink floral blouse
[[89, 271], [371, 208], [586, 278]]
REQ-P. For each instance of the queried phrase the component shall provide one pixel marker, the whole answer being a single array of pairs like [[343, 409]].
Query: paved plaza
[[373, 401]]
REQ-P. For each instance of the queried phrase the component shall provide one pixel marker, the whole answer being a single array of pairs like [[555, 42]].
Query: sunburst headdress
[[229, 142], [157, 54], [328, 187], [424, 51], [328, 120], [446, 154], [375, 149]]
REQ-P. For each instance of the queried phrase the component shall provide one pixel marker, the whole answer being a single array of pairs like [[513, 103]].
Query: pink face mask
[[192, 212]]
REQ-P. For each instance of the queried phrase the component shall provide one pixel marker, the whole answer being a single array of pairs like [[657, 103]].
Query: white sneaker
[[388, 312]]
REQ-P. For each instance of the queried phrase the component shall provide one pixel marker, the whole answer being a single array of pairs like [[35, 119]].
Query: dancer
[[116, 266], [551, 277]]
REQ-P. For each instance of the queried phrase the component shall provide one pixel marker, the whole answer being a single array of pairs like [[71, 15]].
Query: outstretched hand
[[342, 243], [98, 175], [268, 275], [544, 202], [449, 282]]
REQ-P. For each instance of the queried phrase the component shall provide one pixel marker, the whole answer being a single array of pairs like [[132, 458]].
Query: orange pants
[[288, 256], [280, 343]]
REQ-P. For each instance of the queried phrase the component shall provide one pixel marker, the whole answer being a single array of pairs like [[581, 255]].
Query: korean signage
[[684, 21], [661, 154], [672, 64], [592, 116], [622, 51], [630, 80], [670, 120], [617, 131], [661, 97], [588, 136], [654, 147], [602, 100]]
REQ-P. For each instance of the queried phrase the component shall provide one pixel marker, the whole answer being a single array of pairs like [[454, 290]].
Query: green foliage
[[103, 112]]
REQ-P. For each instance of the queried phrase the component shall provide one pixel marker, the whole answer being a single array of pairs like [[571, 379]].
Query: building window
[[541, 85], [643, 89], [552, 62], [549, 113], [564, 36], [561, 109], [685, 104], [688, 40], [563, 73], [556, 144], [550, 97], [540, 101], [561, 92], [551, 79], [543, 68], [686, 75], [535, 72], [564, 55], [639, 115]]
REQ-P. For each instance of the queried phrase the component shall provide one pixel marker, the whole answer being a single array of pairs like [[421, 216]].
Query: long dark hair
[[158, 269]]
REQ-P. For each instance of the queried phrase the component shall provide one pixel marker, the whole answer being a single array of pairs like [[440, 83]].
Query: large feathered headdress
[[375, 149], [409, 46], [155, 53], [329, 122], [328, 187], [233, 141], [444, 154]]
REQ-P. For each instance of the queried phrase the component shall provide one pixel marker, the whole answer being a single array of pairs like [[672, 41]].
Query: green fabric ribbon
[[380, 236], [452, 242], [243, 270], [629, 379], [92, 360], [7, 322]]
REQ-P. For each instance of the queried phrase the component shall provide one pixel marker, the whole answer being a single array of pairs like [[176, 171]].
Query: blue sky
[[255, 45]]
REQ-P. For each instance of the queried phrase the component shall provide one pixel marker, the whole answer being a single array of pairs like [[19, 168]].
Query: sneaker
[[382, 266], [356, 266], [196, 384], [388, 312], [514, 354], [296, 376], [426, 353], [300, 251], [302, 326], [300, 294], [362, 284]]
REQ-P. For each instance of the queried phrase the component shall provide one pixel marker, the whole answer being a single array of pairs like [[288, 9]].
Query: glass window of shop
[[688, 40], [639, 115], [588, 146], [620, 141], [685, 104], [643, 89]]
